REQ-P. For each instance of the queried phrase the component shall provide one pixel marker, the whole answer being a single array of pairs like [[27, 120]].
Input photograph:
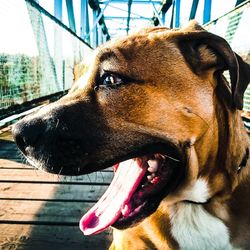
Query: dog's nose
[[27, 133]]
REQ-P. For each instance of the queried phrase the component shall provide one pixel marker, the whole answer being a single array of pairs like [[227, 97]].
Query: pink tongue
[[108, 209]]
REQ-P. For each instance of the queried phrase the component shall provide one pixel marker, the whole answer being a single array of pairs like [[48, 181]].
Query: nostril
[[27, 133]]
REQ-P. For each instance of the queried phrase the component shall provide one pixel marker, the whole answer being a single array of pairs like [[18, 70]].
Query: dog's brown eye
[[111, 80]]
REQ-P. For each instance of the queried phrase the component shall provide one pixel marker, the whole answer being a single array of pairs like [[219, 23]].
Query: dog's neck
[[232, 176], [215, 213], [234, 144]]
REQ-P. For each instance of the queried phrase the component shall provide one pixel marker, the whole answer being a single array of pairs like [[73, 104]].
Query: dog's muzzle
[[66, 142], [52, 143]]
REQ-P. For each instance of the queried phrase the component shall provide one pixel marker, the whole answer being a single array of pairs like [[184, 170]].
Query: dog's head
[[156, 106]]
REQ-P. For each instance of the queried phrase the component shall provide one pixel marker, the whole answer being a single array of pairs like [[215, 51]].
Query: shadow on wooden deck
[[42, 211]]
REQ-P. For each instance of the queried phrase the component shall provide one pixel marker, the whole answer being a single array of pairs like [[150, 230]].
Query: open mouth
[[138, 186]]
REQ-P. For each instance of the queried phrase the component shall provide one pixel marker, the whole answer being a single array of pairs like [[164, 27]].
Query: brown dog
[[156, 106]]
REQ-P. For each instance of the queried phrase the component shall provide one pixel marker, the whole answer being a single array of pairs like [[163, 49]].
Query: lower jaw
[[132, 219], [148, 207]]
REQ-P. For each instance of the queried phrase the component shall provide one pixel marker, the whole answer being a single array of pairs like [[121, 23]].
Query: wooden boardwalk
[[42, 211]]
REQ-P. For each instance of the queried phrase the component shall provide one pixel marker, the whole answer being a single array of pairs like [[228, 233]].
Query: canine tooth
[[153, 166]]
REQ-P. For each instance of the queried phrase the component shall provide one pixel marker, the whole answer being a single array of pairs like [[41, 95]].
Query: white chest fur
[[195, 229]]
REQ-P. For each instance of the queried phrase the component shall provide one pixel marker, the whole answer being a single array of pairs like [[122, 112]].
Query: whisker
[[58, 175], [172, 158], [57, 123]]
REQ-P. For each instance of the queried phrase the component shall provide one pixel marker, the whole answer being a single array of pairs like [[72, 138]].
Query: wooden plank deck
[[42, 211]]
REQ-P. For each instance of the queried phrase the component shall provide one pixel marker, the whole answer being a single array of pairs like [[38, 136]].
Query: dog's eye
[[111, 80]]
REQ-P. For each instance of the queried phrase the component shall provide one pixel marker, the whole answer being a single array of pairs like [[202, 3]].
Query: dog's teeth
[[126, 210], [153, 166], [150, 177]]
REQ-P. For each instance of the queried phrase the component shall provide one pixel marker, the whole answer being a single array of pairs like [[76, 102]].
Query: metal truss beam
[[129, 13], [165, 7], [172, 15], [97, 18], [93, 32], [84, 26], [71, 16], [238, 2], [207, 11], [124, 17], [193, 9], [134, 2], [175, 18], [177, 13], [58, 9], [156, 12], [100, 15]]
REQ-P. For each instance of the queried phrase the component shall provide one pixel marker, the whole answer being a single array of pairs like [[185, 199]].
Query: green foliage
[[20, 78], [19, 70]]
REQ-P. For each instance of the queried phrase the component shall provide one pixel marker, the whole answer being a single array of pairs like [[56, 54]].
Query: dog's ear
[[203, 51], [242, 83]]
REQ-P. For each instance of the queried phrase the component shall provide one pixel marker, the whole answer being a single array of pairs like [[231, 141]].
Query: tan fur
[[200, 119], [178, 95]]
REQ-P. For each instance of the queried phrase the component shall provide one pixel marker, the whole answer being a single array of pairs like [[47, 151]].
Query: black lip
[[79, 164]]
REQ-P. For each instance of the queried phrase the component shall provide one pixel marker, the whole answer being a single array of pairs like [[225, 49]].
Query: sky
[[17, 34]]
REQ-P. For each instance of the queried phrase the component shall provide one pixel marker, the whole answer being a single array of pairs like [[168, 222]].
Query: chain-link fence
[[37, 53]]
